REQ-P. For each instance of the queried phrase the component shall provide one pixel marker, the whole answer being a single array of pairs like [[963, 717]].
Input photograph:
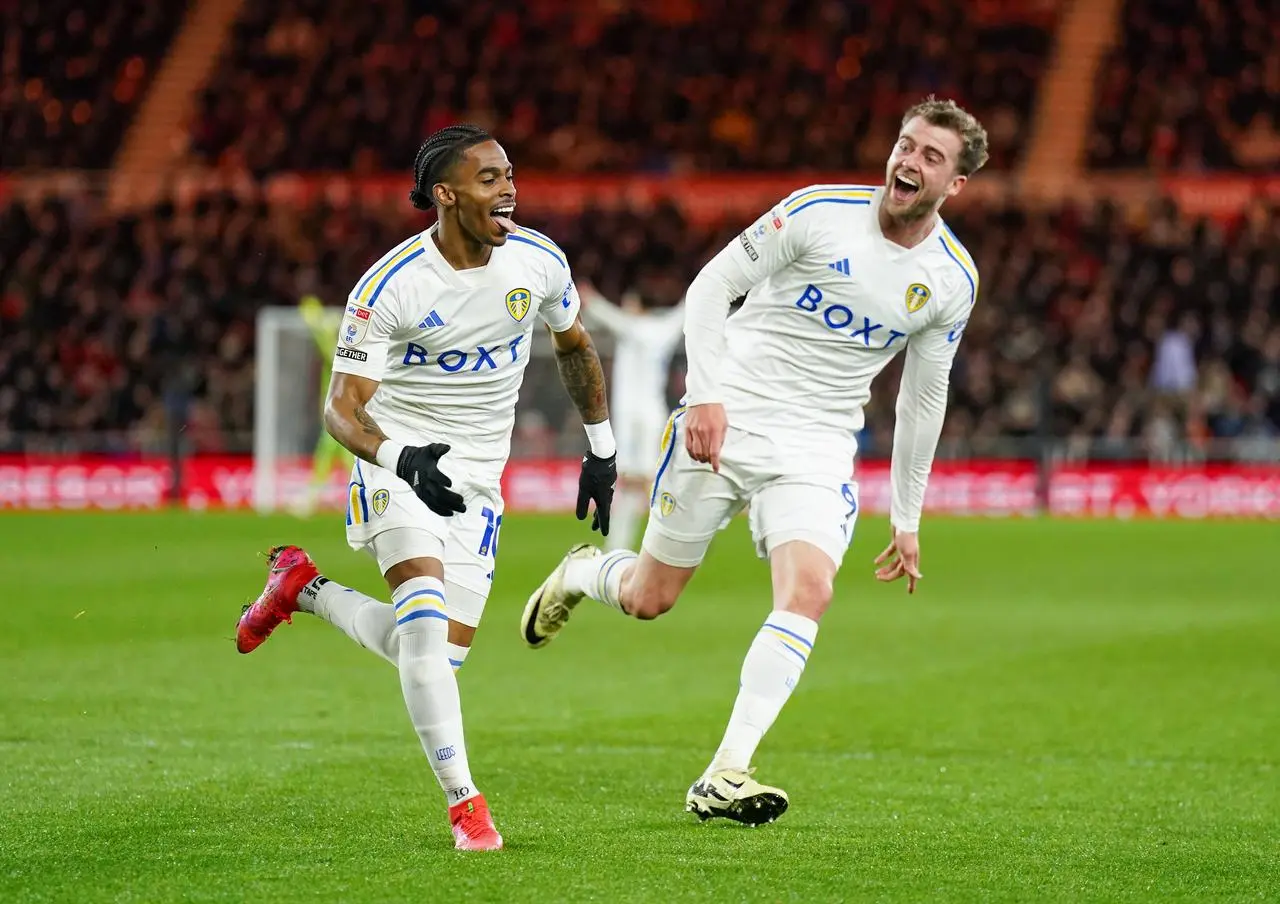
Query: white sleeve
[[599, 311], [921, 409], [365, 335], [763, 248], [559, 304]]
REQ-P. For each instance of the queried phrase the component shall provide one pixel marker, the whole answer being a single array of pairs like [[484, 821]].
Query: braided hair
[[437, 154]]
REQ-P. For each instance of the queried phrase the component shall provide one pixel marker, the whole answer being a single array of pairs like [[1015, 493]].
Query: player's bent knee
[[803, 579], [650, 604], [652, 587], [807, 595]]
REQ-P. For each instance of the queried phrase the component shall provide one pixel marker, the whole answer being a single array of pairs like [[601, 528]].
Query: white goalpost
[[286, 414]]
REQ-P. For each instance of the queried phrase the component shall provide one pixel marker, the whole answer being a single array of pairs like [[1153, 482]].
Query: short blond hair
[[947, 114]]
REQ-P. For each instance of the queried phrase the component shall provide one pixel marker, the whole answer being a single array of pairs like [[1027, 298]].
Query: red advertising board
[[80, 483], [988, 488], [1213, 491]]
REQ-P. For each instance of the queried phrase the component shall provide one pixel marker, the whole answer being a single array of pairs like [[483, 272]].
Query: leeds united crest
[[918, 296], [518, 301]]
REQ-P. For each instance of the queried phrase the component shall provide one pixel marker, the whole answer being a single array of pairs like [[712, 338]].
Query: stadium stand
[[1191, 85], [72, 74], [353, 85], [1151, 338]]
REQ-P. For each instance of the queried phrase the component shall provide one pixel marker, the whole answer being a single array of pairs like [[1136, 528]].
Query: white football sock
[[627, 506], [429, 686], [369, 622], [457, 655], [600, 577], [770, 673]]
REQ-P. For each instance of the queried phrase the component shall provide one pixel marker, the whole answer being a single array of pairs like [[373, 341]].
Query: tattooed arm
[[347, 420], [581, 373]]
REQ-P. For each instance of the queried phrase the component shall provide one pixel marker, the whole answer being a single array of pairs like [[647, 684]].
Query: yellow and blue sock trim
[[793, 643], [419, 598]]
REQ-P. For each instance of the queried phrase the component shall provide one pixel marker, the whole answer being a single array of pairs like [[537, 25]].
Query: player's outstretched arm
[[603, 313], [583, 377]]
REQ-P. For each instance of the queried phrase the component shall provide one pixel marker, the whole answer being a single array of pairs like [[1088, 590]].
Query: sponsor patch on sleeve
[[765, 228], [748, 247], [352, 353], [355, 325]]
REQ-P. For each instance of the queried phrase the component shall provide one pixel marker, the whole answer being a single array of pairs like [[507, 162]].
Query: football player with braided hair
[[430, 357]]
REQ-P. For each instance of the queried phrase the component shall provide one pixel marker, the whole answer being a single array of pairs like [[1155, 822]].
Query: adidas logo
[[431, 320], [840, 266]]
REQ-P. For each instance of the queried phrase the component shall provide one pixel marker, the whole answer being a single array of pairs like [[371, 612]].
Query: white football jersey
[[449, 347], [830, 302]]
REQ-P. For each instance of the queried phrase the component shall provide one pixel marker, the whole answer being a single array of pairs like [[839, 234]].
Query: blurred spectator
[[1191, 85], [1174, 370], [352, 85], [72, 74]]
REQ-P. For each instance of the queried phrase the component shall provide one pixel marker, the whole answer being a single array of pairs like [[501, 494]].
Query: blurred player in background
[[323, 323], [838, 279], [644, 341], [431, 354]]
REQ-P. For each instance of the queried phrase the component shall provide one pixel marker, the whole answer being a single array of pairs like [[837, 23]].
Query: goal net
[[289, 387]]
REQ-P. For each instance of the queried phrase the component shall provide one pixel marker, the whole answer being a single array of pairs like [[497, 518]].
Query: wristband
[[388, 455], [600, 437]]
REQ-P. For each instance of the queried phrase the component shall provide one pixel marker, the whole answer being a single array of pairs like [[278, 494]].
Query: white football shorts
[[690, 503], [386, 519]]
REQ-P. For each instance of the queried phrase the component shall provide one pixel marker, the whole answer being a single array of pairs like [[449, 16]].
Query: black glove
[[419, 466], [595, 484]]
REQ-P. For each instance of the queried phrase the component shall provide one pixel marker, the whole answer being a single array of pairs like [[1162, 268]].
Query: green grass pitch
[[1067, 711]]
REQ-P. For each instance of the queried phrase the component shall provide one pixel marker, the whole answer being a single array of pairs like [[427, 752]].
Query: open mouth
[[905, 188], [501, 216]]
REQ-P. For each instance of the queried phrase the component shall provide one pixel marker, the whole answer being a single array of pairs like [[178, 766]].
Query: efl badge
[[766, 226], [918, 296], [355, 324], [381, 499], [666, 504], [518, 301]]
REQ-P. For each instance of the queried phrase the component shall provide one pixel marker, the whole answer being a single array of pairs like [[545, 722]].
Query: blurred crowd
[[1154, 334], [72, 74], [1151, 337], [350, 85], [1191, 85], [118, 323]]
